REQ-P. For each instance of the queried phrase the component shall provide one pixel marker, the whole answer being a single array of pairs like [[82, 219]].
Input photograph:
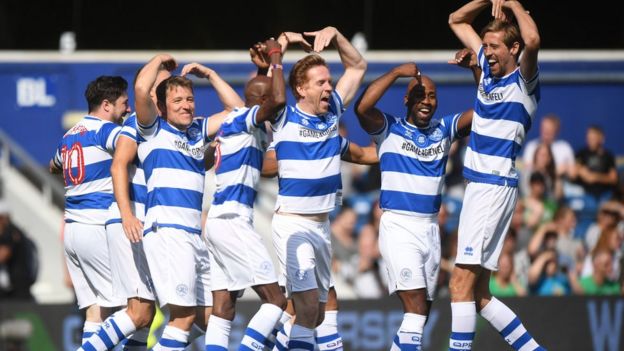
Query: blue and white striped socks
[[509, 326], [281, 332], [301, 339], [172, 339], [89, 329], [409, 335], [137, 341], [260, 327], [217, 334], [113, 330], [327, 336], [463, 325]]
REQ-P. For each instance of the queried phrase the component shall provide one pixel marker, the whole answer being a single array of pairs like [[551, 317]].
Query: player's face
[[422, 102], [500, 57], [180, 107], [316, 92], [120, 108]]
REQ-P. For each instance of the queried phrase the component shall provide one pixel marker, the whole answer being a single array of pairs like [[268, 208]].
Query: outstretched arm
[[352, 60], [145, 108], [227, 95], [362, 155], [372, 119], [530, 36], [461, 20]]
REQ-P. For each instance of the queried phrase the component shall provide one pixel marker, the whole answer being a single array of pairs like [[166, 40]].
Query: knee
[[142, 315], [224, 310], [278, 300]]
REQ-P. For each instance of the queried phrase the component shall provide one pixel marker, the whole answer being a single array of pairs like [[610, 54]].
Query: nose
[[328, 86]]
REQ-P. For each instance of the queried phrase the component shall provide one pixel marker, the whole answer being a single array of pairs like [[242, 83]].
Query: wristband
[[276, 66], [274, 51]]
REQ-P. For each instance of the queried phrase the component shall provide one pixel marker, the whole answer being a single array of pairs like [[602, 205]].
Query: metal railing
[[13, 155]]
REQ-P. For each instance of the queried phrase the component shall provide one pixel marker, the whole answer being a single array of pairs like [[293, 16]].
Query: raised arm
[[467, 58], [461, 20], [372, 119], [276, 100], [124, 156], [530, 36], [464, 124], [353, 62], [227, 95], [145, 108]]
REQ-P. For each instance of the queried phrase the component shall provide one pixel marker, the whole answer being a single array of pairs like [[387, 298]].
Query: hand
[[464, 58], [322, 38], [497, 10], [293, 38], [133, 228], [258, 58], [167, 62], [408, 70], [196, 69], [271, 45]]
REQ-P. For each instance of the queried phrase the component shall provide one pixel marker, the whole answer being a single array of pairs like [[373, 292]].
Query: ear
[[405, 99], [106, 105], [515, 48], [300, 90]]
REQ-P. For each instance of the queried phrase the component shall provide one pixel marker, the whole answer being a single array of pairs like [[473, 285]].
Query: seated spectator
[[599, 283], [608, 218], [18, 260], [595, 166], [561, 149], [544, 164], [503, 283], [538, 208], [546, 278], [569, 249], [610, 240]]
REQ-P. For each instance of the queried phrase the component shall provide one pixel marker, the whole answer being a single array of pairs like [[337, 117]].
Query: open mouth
[[424, 111]]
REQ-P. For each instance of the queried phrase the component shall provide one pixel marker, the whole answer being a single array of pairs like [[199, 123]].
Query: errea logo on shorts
[[182, 290], [406, 274], [468, 251]]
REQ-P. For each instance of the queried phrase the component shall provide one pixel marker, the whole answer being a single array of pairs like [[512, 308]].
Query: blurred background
[[564, 253]]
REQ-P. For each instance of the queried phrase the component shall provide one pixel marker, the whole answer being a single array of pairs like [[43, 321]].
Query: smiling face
[[500, 57], [176, 101], [120, 108], [421, 101], [316, 91], [180, 107]]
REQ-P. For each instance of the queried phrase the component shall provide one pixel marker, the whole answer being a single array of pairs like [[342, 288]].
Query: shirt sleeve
[[107, 136], [281, 120], [381, 135], [148, 131]]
